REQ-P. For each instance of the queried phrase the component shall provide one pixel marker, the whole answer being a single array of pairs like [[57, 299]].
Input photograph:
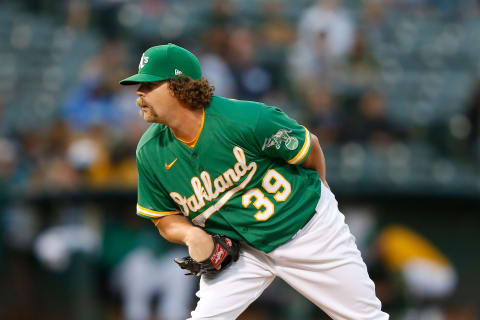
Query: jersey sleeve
[[153, 201], [279, 136]]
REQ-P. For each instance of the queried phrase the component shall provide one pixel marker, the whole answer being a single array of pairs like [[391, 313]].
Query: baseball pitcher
[[243, 186]]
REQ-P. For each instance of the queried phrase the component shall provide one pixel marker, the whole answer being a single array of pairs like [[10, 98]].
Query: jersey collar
[[191, 144]]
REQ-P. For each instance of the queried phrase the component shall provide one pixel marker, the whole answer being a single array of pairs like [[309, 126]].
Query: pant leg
[[228, 294], [323, 263]]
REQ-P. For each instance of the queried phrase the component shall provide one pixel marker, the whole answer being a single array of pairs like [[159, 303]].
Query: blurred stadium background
[[391, 88]]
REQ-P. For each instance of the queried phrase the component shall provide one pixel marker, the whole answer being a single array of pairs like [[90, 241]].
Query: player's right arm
[[155, 204], [178, 229]]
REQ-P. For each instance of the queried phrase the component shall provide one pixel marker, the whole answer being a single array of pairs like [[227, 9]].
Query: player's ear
[[170, 90]]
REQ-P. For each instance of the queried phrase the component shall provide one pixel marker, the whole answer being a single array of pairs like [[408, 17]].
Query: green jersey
[[241, 179]]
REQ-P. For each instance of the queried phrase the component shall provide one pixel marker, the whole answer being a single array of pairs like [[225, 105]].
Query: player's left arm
[[278, 136], [316, 160]]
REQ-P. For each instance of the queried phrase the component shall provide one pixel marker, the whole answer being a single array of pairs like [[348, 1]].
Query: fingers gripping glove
[[225, 252]]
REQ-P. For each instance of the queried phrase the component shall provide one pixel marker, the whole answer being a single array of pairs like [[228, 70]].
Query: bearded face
[[156, 102]]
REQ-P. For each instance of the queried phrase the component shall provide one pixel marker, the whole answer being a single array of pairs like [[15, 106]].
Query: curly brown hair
[[194, 93]]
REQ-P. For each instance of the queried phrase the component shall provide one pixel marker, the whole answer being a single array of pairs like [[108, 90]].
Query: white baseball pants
[[321, 262]]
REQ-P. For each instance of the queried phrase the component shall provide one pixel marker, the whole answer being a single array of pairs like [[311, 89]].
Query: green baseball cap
[[165, 62]]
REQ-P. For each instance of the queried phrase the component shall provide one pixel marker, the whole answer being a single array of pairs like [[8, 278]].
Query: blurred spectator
[[373, 13], [275, 35], [222, 14], [123, 173], [78, 14], [373, 20], [216, 70], [427, 273], [93, 101], [89, 155], [251, 80], [69, 245], [215, 43], [324, 37], [361, 63], [141, 268], [51, 170], [105, 162], [217, 24], [428, 277], [413, 278], [55, 245], [276, 31], [370, 125], [324, 118]]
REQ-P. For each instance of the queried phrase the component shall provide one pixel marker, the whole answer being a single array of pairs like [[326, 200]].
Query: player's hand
[[200, 244]]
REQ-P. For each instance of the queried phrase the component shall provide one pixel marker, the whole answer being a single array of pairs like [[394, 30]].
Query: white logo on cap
[[143, 61], [178, 72]]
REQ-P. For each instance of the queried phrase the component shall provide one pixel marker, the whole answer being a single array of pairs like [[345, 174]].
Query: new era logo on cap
[[165, 62]]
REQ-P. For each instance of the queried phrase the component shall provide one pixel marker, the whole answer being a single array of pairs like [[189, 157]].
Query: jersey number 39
[[274, 183]]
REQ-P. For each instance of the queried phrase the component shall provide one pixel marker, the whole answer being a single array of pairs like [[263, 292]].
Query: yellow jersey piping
[[193, 143], [152, 213], [304, 151]]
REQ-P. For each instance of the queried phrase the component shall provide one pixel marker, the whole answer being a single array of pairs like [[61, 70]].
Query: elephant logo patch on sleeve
[[282, 136]]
